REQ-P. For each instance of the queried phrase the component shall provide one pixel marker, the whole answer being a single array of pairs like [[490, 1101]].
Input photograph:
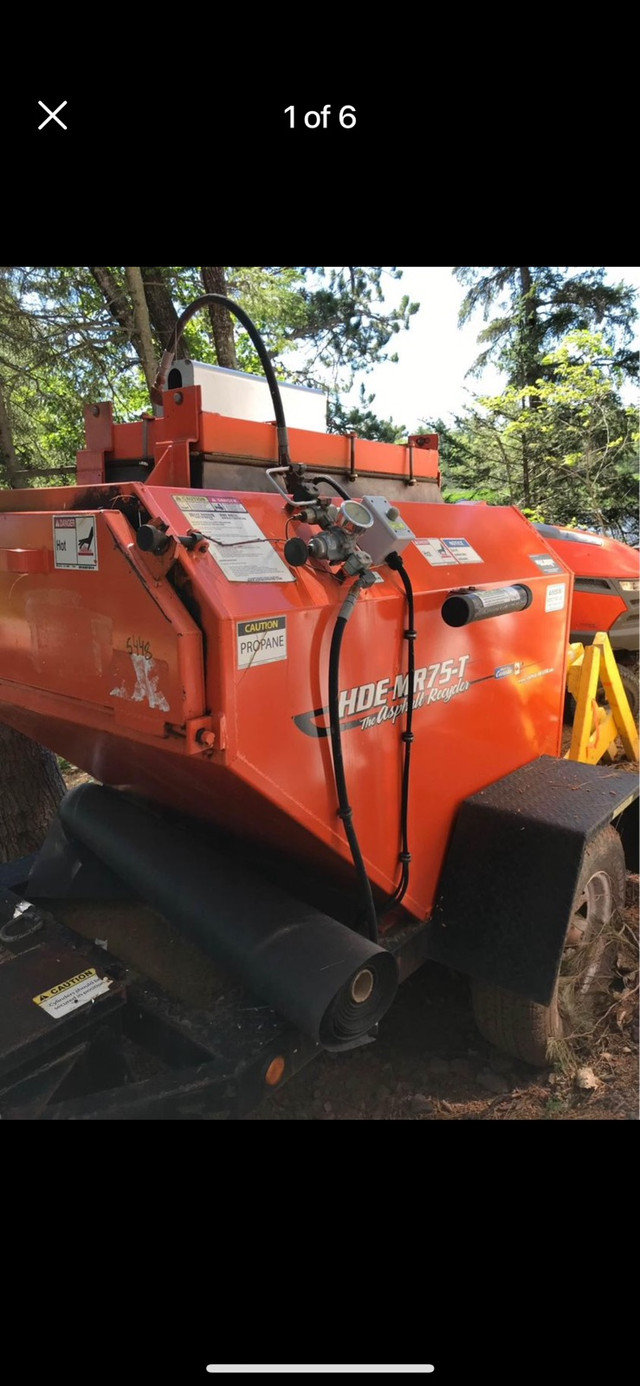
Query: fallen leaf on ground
[[586, 1079]]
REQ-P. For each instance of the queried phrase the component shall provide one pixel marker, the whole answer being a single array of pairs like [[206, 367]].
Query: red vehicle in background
[[606, 594]]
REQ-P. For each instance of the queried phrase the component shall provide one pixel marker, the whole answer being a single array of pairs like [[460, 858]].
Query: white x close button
[[52, 115]]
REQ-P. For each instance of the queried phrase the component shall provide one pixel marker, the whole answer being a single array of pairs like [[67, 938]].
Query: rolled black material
[[305, 964], [461, 608]]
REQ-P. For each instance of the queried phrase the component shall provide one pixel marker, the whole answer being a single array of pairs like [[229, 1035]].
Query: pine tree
[[535, 308]]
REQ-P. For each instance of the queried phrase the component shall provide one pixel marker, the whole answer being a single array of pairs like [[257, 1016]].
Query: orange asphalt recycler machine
[[325, 714]]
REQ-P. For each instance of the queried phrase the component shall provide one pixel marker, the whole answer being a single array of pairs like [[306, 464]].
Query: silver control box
[[388, 532]]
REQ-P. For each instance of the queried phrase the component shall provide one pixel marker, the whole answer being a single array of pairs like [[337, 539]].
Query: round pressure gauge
[[355, 517]]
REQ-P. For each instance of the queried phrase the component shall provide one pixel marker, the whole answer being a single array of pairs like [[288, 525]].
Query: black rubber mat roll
[[329, 981]]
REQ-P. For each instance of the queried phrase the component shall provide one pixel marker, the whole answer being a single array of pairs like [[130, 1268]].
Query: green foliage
[[62, 343], [58, 347], [579, 441], [362, 421], [558, 440], [536, 307]]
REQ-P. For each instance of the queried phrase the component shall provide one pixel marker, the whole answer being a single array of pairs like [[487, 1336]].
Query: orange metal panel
[[120, 665], [602, 558], [59, 498], [129, 441], [98, 426], [25, 560], [90, 468], [605, 558], [182, 413], [107, 636], [595, 610], [243, 438], [269, 751], [183, 422], [172, 465]]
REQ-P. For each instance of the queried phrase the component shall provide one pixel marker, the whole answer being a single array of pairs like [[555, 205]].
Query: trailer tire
[[527, 1030]]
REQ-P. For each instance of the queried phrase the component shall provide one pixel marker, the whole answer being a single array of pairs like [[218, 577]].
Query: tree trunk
[[117, 303], [526, 474], [161, 310], [133, 276], [221, 320], [8, 458], [530, 368], [31, 789], [529, 335]]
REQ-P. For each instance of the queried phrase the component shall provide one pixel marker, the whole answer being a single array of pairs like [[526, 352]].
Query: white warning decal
[[462, 551], [70, 995], [236, 542], [439, 552], [75, 541], [554, 600], [434, 551], [261, 641], [499, 596]]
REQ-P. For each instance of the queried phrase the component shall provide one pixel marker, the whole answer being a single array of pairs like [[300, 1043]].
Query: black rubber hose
[[395, 562], [170, 351], [345, 811]]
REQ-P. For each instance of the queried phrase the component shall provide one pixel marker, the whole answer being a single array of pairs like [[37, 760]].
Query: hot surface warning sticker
[[236, 542], [70, 995], [439, 552], [75, 541], [261, 641]]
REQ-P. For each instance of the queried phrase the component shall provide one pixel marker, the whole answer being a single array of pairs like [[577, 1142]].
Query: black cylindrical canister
[[329, 981], [461, 608]]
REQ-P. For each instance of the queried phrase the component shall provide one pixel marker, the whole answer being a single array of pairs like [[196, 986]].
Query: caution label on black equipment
[[75, 992], [262, 640]]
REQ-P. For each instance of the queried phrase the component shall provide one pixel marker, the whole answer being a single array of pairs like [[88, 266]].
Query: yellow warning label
[[75, 992], [64, 986]]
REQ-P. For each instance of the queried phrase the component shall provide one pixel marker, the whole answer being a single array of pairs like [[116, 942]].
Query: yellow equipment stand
[[595, 728]]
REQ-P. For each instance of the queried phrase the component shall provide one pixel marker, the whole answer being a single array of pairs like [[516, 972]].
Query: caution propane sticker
[[261, 641]]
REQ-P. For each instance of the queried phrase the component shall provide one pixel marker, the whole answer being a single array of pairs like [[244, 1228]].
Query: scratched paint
[[146, 686]]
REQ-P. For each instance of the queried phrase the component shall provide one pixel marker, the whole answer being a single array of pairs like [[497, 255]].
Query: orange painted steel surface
[[167, 441], [120, 667], [593, 611], [606, 558]]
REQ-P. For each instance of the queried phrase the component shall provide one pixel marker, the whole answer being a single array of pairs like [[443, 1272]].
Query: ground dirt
[[429, 1062]]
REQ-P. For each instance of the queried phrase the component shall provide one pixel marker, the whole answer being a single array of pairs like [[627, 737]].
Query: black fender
[[512, 867]]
